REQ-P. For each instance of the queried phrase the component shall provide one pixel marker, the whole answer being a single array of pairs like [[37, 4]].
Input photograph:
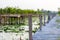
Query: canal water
[[49, 32]]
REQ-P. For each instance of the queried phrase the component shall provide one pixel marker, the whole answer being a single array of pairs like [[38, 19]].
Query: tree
[[0, 10], [19, 11]]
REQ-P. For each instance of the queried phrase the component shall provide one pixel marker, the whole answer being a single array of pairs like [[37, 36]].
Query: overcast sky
[[32, 4]]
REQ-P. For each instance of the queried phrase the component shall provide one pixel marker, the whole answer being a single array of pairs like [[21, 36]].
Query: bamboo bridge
[[16, 19]]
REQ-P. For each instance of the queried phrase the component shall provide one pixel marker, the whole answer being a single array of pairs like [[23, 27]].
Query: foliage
[[13, 28], [11, 10], [59, 13], [0, 10], [33, 31], [58, 20]]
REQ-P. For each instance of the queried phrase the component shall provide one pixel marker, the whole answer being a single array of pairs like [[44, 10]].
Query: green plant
[[59, 13], [58, 20], [11, 10]]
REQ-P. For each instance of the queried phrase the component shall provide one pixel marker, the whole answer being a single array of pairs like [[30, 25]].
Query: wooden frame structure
[[29, 20]]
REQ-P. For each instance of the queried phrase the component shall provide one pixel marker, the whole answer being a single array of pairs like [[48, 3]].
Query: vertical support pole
[[20, 38], [13, 20], [48, 18], [44, 19], [10, 20], [0, 18], [53, 14], [18, 20], [4, 20], [21, 19], [30, 26], [40, 19]]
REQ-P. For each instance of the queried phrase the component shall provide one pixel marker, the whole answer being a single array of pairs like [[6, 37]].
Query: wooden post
[[40, 19], [44, 19], [21, 19], [53, 14], [4, 20], [13, 21], [18, 19], [48, 18], [0, 18], [20, 38], [10, 21], [30, 26], [7, 19]]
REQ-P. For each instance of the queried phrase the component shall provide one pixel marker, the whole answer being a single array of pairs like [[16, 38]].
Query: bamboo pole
[[40, 19], [30, 26], [44, 19], [18, 19], [48, 18], [0, 18]]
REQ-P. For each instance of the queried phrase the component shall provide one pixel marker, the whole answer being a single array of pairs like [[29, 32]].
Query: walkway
[[49, 32]]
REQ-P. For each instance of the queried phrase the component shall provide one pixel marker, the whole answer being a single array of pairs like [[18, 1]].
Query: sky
[[52, 5]]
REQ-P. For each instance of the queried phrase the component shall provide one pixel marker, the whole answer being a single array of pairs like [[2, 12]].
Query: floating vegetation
[[58, 23], [12, 28], [33, 31], [58, 26], [58, 20], [58, 38]]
